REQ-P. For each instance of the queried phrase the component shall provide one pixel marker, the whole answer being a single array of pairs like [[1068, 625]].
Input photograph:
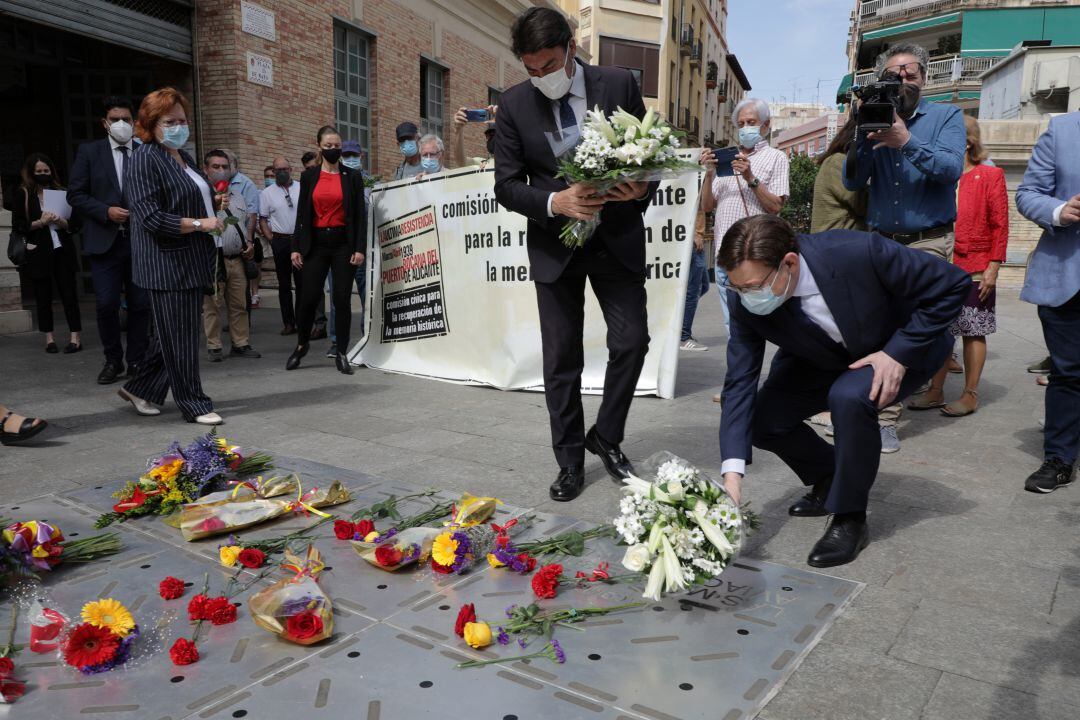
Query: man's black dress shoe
[[809, 505], [343, 365], [842, 542], [617, 464], [112, 372], [569, 484], [294, 360]]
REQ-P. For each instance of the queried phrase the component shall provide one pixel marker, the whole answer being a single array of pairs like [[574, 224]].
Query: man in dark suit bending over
[[860, 321], [559, 92]]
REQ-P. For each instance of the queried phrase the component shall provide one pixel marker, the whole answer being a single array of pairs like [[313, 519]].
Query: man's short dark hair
[[763, 238], [218, 154], [539, 28], [307, 157], [113, 101]]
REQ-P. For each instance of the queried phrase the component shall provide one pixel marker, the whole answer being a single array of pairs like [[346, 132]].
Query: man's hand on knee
[[888, 374]]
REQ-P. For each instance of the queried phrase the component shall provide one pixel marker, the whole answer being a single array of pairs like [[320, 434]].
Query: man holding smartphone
[[463, 117]]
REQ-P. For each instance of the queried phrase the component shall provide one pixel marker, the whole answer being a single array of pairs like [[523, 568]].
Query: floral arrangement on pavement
[[27, 548], [682, 529], [295, 608], [182, 475], [619, 149], [459, 548], [521, 557], [103, 640], [547, 580], [219, 610], [399, 549]]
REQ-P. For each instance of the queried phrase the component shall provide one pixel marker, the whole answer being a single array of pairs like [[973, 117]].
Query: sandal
[[919, 402], [51, 348], [959, 408], [28, 429], [955, 367]]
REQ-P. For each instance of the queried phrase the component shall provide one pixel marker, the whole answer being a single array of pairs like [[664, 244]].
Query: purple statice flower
[[296, 606], [502, 637], [523, 643], [462, 553], [385, 535], [412, 553], [205, 462], [560, 656], [123, 652], [510, 611], [508, 556]]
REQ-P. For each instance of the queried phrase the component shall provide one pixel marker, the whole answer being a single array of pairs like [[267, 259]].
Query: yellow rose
[[494, 561], [445, 550], [371, 536], [228, 555], [478, 634]]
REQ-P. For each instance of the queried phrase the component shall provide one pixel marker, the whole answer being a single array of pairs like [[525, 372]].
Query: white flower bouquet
[[682, 529], [616, 150]]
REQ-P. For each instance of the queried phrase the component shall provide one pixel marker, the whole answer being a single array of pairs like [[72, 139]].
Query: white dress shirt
[[578, 103], [813, 304], [118, 159]]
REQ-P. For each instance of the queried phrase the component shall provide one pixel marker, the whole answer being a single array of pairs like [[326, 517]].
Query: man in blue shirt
[[912, 169]]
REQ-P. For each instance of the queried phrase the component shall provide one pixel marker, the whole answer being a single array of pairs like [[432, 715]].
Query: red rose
[[183, 652], [466, 614], [388, 556], [441, 569], [303, 626], [11, 690], [7, 667], [545, 583], [344, 530], [171, 588], [364, 528], [197, 608], [252, 558], [210, 525], [221, 186], [528, 563], [220, 611]]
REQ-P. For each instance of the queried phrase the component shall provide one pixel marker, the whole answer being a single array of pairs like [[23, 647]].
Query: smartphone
[[724, 156], [476, 115]]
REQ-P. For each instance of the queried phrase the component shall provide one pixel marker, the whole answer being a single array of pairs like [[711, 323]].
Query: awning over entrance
[[911, 26], [845, 86]]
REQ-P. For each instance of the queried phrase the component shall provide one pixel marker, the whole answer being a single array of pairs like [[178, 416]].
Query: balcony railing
[[889, 9], [695, 54], [945, 71]]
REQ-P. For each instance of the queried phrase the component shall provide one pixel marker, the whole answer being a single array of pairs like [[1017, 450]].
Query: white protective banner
[[450, 295]]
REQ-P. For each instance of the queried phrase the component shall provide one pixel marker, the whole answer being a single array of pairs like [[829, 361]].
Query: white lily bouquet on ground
[[682, 528], [616, 150]]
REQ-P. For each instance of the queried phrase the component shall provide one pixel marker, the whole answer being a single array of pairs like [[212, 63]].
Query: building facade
[[787, 115], [810, 138]]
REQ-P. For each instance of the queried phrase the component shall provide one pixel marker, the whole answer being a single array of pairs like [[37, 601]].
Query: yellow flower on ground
[[110, 615], [167, 471], [478, 634], [371, 536], [444, 551], [494, 561], [229, 554]]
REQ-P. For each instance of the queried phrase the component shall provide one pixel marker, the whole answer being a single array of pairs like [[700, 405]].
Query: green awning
[[969, 95], [845, 86], [949, 97], [940, 97], [911, 26], [997, 31]]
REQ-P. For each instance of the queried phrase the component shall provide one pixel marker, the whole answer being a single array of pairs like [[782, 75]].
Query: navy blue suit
[[883, 296], [93, 190]]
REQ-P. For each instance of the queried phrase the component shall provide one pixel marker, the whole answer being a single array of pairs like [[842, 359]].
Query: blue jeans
[[721, 278], [696, 286], [361, 285], [1061, 330]]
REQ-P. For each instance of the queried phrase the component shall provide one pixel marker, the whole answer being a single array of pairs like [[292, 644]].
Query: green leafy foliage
[[800, 202]]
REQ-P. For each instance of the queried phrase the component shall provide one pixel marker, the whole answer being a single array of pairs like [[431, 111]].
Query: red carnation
[[388, 556], [466, 614], [171, 588], [344, 530], [252, 558], [211, 525], [364, 528], [220, 611], [183, 652], [7, 667], [303, 626], [441, 569], [545, 583], [528, 563], [11, 690], [197, 608]]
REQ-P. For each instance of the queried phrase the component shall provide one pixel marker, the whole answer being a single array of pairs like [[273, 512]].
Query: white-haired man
[[759, 183], [432, 151]]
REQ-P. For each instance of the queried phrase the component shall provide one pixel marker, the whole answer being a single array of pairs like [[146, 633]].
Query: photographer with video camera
[[910, 167]]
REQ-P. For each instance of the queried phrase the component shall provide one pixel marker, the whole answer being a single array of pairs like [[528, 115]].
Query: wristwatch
[[196, 224], [754, 183]]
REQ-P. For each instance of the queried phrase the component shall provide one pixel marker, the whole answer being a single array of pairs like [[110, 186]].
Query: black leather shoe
[[842, 542], [247, 351], [809, 505], [112, 372], [319, 333], [1053, 474], [215, 355], [294, 360], [568, 485], [618, 466], [343, 365], [133, 370]]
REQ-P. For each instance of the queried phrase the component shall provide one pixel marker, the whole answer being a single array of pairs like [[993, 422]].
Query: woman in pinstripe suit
[[172, 257]]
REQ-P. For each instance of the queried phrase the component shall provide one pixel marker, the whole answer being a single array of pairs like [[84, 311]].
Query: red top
[[982, 218], [328, 201]]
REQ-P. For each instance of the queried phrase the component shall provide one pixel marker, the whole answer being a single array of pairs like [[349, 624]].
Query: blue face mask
[[749, 136], [409, 148], [764, 301], [430, 164], [352, 161], [174, 137], [268, 181]]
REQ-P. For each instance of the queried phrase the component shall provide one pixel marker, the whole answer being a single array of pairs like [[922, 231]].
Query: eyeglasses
[[748, 289], [911, 69]]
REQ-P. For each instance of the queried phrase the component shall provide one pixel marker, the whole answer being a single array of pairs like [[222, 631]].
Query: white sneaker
[[693, 345], [141, 406], [211, 418]]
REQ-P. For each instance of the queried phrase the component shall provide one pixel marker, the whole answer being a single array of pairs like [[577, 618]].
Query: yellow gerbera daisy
[[110, 615], [444, 550], [229, 554]]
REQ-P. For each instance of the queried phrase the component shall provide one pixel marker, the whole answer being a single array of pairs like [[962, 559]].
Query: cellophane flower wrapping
[[680, 527], [459, 549], [614, 150], [229, 512], [295, 608], [408, 547]]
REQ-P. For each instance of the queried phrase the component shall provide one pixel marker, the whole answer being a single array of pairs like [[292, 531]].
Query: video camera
[[879, 100]]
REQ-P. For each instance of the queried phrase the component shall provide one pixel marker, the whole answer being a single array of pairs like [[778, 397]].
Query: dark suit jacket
[[160, 194], [39, 261], [93, 190], [525, 169], [352, 188], [883, 296]]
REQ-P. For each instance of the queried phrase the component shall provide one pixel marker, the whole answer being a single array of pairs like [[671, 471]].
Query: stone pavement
[[972, 609]]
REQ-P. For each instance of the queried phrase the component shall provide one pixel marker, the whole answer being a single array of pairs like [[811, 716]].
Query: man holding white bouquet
[[555, 103], [860, 321]]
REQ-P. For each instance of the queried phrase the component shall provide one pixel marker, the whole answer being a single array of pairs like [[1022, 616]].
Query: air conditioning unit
[[1051, 75]]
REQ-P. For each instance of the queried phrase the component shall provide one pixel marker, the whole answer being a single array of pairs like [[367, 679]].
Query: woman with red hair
[[172, 256]]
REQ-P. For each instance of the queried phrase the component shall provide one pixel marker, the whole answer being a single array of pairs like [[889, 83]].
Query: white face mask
[[556, 84], [120, 131]]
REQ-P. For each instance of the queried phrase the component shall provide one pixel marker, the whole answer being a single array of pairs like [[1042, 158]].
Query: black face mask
[[331, 155], [282, 177], [909, 100], [43, 179], [491, 145]]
